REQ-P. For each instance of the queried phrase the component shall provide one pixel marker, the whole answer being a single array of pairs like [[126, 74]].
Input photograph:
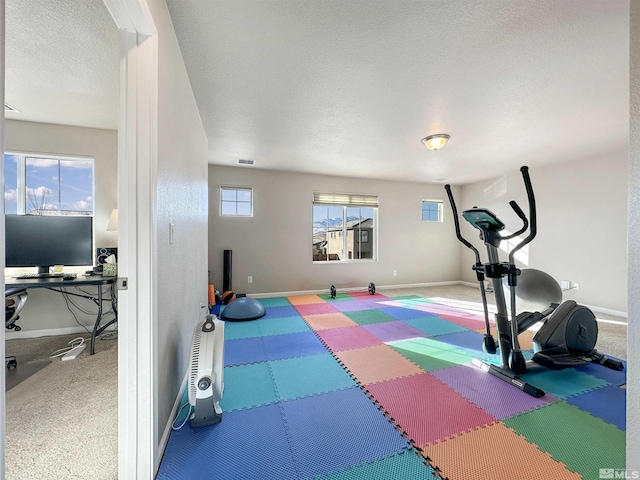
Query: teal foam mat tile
[[310, 375], [405, 465], [563, 383], [264, 327], [247, 386], [434, 326], [274, 302]]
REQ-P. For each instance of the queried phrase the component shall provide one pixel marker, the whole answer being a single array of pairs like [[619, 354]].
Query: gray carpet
[[62, 421]]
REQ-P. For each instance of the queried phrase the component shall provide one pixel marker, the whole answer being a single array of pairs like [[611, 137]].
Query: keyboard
[[28, 276]]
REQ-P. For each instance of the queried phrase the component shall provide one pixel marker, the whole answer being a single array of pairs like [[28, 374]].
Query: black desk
[[58, 285]]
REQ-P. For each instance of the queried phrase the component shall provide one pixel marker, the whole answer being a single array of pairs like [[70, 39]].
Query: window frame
[[440, 210], [236, 189]]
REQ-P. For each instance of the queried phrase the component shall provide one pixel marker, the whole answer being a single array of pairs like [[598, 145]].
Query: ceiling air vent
[[9, 108], [246, 162]]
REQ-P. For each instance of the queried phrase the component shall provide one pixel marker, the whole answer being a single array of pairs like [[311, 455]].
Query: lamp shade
[[435, 142], [112, 226]]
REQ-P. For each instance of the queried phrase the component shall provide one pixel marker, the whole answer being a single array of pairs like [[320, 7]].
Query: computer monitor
[[46, 240]]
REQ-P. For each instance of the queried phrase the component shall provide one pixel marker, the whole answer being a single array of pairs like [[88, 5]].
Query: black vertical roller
[[226, 281]]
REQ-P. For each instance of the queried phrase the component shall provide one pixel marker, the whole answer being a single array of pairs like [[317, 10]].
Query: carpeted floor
[[371, 387]]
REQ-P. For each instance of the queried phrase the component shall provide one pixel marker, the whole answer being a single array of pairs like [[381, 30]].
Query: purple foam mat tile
[[404, 313], [393, 331], [614, 377], [496, 397], [347, 338], [277, 347], [251, 444], [337, 430], [316, 309], [608, 403], [243, 351], [353, 305]]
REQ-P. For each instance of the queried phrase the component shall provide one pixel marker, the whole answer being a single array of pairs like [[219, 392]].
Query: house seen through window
[[344, 227], [47, 185]]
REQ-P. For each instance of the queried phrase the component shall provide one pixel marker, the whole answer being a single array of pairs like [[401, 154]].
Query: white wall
[[275, 245], [181, 201], [47, 310], [633, 330], [582, 225]]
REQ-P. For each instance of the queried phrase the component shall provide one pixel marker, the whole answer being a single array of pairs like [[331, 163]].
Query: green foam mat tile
[[366, 317], [247, 386], [584, 443], [425, 362], [274, 302], [406, 465], [302, 376]]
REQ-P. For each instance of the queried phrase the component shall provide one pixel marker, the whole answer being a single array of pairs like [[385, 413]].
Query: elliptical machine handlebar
[[447, 187], [533, 225]]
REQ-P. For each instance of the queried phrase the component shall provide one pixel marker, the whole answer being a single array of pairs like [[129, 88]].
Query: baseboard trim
[[174, 411], [50, 332], [355, 289]]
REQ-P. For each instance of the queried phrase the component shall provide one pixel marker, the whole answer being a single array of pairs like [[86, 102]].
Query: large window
[[236, 201], [344, 227], [47, 185]]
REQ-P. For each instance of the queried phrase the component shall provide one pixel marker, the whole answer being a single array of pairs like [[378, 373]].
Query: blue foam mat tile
[[291, 345], [405, 465], [608, 403], [404, 313], [243, 351], [247, 444], [614, 377], [563, 383], [467, 339], [338, 429], [280, 312]]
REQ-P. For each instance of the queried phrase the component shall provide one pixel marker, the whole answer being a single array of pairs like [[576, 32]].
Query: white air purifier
[[206, 372]]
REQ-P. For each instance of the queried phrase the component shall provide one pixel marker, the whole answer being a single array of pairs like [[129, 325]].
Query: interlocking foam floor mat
[[379, 388]]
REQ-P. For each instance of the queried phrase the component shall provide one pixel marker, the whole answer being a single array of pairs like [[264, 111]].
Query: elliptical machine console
[[568, 336]]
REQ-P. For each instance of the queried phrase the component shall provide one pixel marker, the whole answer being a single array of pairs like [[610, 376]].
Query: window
[[236, 202], [344, 227], [432, 210], [507, 245], [45, 185]]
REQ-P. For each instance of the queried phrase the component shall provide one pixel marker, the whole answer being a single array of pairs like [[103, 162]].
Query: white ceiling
[[350, 87]]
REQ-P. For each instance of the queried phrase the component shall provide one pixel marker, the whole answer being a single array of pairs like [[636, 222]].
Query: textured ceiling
[[62, 63], [350, 87]]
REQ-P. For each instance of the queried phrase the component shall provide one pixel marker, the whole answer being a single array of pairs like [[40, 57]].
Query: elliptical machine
[[568, 336]]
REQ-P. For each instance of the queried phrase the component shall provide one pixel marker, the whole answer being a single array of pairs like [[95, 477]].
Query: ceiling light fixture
[[435, 142]]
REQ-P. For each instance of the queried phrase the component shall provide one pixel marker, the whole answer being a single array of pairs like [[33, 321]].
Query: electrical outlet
[[395, 273], [576, 286], [565, 284], [249, 279]]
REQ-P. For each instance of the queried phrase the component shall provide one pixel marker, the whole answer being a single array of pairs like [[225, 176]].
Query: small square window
[[432, 210], [236, 202]]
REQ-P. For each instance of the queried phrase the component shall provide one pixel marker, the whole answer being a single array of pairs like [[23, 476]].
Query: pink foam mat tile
[[471, 322], [426, 409], [347, 338], [367, 296], [315, 309], [376, 364]]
